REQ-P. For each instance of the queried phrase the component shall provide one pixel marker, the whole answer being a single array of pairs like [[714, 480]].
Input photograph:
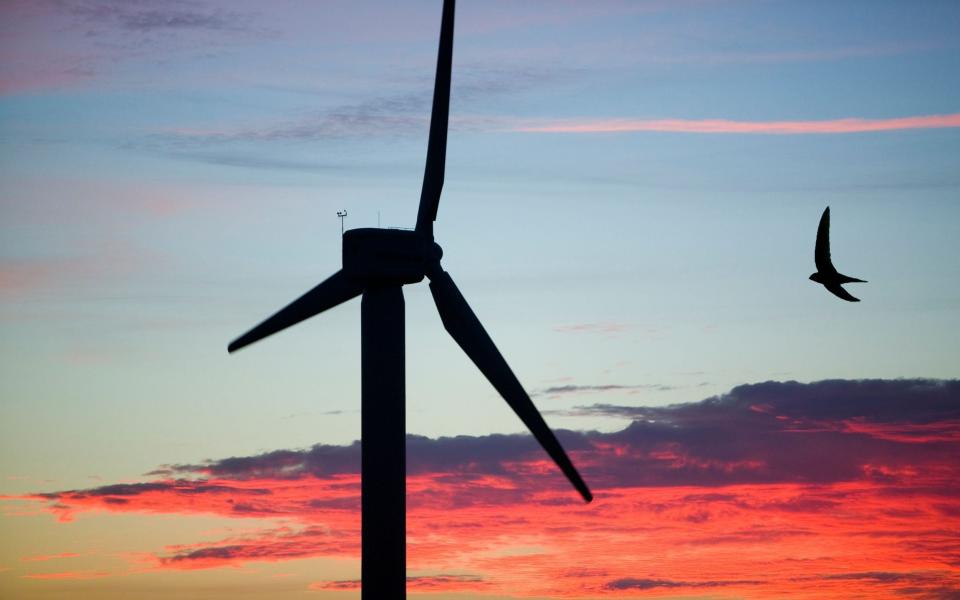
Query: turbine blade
[[464, 327], [437, 145], [334, 290]]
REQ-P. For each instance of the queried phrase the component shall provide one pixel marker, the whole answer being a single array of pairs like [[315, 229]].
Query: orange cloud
[[69, 575], [851, 125]]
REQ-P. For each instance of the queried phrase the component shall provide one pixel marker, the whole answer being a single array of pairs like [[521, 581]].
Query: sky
[[631, 200]]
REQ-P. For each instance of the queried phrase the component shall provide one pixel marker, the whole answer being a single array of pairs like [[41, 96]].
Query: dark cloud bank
[[773, 432]]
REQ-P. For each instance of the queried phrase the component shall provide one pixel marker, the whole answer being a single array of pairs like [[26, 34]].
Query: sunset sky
[[631, 201]]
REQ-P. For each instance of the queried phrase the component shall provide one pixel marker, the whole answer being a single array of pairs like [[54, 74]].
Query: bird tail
[[848, 279]]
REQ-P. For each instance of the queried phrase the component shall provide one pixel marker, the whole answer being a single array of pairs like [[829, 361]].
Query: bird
[[827, 274]]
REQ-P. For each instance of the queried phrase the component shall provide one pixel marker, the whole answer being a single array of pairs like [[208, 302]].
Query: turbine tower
[[377, 263]]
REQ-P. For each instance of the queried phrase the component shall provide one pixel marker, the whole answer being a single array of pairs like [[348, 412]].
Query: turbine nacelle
[[395, 256]]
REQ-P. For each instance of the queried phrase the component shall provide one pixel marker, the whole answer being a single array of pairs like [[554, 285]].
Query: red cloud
[[849, 488]]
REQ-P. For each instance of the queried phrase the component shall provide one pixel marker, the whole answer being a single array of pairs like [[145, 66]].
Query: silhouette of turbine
[[376, 264]]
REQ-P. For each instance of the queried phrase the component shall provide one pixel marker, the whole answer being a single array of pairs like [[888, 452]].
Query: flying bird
[[826, 273]]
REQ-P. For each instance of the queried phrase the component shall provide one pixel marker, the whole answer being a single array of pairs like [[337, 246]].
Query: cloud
[[340, 123], [398, 114], [20, 276], [248, 160], [592, 327], [719, 57], [878, 576], [406, 115], [68, 575], [24, 275], [442, 582], [270, 546], [46, 557], [145, 17], [757, 492], [56, 44], [828, 431], [849, 125], [559, 390], [630, 583]]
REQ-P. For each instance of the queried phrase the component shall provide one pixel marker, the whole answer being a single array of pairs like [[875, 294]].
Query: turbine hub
[[388, 255]]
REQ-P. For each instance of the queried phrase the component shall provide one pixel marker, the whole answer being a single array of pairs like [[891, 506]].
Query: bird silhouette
[[827, 274]]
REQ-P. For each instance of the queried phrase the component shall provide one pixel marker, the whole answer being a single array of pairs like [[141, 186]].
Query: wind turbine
[[376, 264]]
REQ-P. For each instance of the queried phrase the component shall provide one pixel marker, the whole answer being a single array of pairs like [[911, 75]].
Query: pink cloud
[[849, 125], [113, 259], [45, 557], [30, 82], [21, 276]]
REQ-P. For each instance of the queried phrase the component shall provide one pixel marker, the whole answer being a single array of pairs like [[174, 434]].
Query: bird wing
[[822, 252], [837, 290]]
